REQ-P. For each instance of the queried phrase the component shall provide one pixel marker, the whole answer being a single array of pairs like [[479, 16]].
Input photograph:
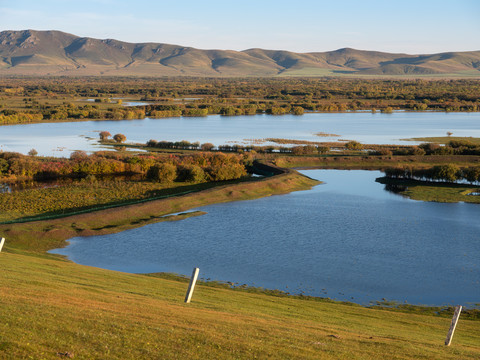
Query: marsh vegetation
[[35, 100]]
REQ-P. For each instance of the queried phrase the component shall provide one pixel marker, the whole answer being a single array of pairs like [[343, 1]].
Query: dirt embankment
[[40, 236]]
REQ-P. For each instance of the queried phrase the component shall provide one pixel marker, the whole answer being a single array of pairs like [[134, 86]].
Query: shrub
[[304, 150], [429, 148], [152, 143], [298, 110], [163, 173], [418, 151], [104, 135], [191, 173], [207, 147], [461, 143], [353, 145], [448, 172], [78, 155], [227, 172], [4, 165], [119, 138]]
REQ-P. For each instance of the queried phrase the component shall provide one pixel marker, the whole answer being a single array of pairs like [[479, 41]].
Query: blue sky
[[421, 26]]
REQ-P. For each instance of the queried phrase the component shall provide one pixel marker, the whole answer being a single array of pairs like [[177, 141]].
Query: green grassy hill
[[53, 309]]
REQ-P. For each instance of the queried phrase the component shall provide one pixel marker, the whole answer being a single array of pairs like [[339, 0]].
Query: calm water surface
[[59, 139], [346, 239]]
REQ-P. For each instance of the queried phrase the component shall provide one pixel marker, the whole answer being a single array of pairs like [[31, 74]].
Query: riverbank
[[433, 191], [41, 236], [372, 162]]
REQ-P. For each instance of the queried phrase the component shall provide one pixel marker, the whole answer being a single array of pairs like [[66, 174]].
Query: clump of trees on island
[[454, 147], [237, 148], [441, 173]]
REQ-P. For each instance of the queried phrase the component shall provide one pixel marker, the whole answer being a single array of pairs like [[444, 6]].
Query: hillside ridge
[[31, 52]]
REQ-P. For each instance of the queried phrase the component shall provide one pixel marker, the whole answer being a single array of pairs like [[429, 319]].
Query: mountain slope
[[31, 52]]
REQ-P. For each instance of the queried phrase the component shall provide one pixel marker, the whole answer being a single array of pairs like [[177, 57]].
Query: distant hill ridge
[[30, 52]]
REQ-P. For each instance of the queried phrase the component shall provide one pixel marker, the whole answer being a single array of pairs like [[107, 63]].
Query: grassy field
[[439, 192], [18, 102], [373, 162], [80, 196], [54, 309], [446, 139]]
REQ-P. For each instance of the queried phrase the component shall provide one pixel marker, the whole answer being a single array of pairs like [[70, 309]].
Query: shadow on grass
[[147, 196]]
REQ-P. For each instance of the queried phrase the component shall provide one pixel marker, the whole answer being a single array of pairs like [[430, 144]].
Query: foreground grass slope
[[52, 307]]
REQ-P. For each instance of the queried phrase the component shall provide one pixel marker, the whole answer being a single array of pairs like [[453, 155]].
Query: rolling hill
[[30, 52]]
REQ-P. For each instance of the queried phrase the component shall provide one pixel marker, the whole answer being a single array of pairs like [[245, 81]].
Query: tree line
[[237, 148], [444, 173], [33, 99], [201, 167]]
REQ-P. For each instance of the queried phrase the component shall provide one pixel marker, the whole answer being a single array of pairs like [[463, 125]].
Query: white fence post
[[191, 286], [453, 325], [1, 243]]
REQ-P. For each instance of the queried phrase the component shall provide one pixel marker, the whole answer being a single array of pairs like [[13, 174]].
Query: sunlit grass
[[83, 195], [446, 139], [51, 307], [435, 191]]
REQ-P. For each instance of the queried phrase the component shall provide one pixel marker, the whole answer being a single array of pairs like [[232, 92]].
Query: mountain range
[[30, 52]]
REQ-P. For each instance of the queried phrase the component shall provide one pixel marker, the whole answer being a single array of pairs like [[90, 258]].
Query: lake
[[60, 139], [347, 239]]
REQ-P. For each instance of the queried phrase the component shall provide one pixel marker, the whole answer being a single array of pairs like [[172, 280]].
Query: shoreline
[[405, 110], [43, 235]]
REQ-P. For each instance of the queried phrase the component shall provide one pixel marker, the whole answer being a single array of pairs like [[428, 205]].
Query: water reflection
[[395, 188]]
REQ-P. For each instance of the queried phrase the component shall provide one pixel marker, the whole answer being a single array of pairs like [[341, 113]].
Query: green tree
[[4, 165], [191, 173], [163, 173], [78, 155], [207, 146], [472, 174], [353, 145], [119, 138], [104, 135], [448, 172], [298, 110]]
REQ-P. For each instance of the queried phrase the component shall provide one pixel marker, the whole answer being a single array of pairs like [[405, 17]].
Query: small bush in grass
[[119, 138], [163, 173]]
